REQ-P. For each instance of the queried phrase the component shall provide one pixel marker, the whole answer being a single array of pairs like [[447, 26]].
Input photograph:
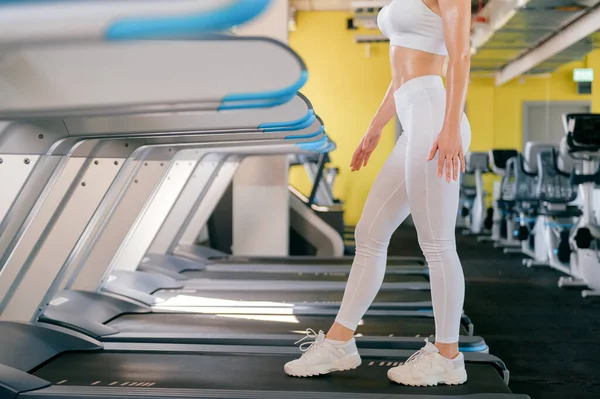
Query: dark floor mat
[[546, 335]]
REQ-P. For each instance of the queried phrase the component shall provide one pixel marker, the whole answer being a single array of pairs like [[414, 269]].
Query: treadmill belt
[[347, 261], [224, 275], [186, 323], [244, 372], [300, 296]]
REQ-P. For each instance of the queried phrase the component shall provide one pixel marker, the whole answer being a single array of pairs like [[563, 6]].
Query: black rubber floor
[[547, 336]]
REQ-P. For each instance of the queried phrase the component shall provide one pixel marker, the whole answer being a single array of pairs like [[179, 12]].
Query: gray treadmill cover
[[149, 76]]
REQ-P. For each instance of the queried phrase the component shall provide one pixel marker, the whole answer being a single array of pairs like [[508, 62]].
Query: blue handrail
[[299, 126], [239, 12], [286, 124], [314, 145], [268, 95], [274, 102], [305, 136]]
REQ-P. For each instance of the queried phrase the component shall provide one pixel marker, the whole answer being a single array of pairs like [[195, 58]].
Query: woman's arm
[[369, 142], [456, 16], [386, 111]]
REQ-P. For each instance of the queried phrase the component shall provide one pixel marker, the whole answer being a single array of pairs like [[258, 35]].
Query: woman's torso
[[416, 34]]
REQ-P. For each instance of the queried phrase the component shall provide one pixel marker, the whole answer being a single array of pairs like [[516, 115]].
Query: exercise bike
[[582, 142], [473, 196], [494, 220], [556, 214]]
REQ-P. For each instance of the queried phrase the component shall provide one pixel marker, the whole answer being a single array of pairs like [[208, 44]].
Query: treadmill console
[[499, 158], [583, 131]]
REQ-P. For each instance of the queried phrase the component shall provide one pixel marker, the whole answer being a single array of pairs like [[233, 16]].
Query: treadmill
[[63, 363]]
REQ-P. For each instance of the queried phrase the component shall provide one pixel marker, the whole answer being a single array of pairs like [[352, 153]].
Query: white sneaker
[[427, 368], [323, 356]]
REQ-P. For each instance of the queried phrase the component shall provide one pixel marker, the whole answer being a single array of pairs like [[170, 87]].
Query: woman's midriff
[[408, 64]]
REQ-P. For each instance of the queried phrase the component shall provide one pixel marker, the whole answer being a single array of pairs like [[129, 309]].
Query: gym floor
[[549, 337]]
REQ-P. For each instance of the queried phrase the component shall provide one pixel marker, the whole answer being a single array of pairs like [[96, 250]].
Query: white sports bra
[[411, 24]]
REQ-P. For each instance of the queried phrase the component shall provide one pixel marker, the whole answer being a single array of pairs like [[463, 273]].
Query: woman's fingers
[[455, 166], [434, 149], [359, 161], [448, 168], [367, 156], [462, 161], [441, 165], [355, 157]]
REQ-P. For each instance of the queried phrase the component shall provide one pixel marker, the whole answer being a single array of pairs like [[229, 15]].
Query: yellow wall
[[346, 87], [496, 113]]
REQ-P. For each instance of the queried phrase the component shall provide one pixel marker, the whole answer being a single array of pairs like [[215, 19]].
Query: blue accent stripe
[[222, 19], [329, 148], [299, 126], [479, 348], [314, 145], [259, 104], [293, 89], [305, 136], [286, 124]]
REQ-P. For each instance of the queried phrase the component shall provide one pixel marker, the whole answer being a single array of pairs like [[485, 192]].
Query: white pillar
[[260, 193]]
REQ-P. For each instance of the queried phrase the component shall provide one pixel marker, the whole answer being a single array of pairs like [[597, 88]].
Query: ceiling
[[527, 29], [520, 31]]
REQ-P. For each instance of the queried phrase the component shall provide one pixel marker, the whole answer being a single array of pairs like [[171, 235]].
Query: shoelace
[[310, 334], [417, 355]]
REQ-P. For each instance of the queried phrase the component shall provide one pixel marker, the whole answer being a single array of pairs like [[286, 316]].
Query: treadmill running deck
[[243, 372]]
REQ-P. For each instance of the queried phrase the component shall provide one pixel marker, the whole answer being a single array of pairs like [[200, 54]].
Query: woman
[[420, 178]]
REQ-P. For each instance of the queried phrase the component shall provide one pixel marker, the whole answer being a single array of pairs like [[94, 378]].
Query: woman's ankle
[[338, 332], [449, 351]]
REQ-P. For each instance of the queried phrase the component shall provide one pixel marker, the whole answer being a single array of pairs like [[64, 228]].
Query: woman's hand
[[365, 148], [449, 145]]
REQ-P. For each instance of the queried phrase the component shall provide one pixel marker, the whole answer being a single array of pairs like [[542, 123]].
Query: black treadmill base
[[388, 278], [243, 372]]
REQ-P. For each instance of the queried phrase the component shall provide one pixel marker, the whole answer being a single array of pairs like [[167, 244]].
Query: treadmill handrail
[[237, 77], [37, 22]]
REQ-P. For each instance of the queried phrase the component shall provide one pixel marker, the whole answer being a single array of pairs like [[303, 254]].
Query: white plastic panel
[[122, 217], [187, 201], [37, 260], [212, 196], [14, 171], [152, 216]]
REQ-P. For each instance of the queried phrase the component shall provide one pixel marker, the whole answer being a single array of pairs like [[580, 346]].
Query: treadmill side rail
[[13, 382], [26, 346], [87, 312]]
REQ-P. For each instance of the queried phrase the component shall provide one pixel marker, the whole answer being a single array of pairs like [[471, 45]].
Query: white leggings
[[409, 184]]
